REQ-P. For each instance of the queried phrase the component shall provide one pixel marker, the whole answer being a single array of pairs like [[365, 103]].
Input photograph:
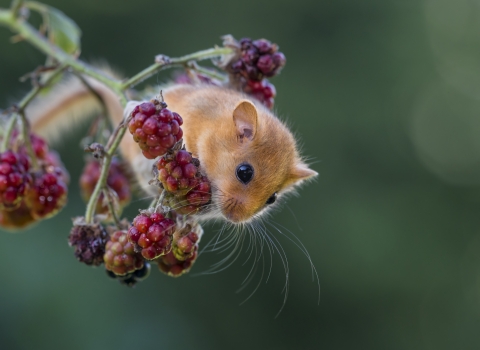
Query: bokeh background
[[384, 97]]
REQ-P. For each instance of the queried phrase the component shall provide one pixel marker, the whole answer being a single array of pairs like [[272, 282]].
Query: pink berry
[[152, 234], [14, 179], [155, 128], [120, 256]]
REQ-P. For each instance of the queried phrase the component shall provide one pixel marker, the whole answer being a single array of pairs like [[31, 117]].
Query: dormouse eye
[[272, 199], [244, 173]]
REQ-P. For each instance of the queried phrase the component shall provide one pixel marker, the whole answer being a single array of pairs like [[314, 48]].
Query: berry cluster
[[117, 181], [155, 128], [89, 242], [255, 61], [151, 234], [29, 194], [120, 256], [186, 190], [258, 59]]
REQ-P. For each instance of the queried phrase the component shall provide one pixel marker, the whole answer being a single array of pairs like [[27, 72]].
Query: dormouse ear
[[301, 172], [245, 119]]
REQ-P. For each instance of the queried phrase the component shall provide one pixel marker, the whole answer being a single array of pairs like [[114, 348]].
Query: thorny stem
[[111, 209], [208, 72], [26, 139], [16, 5], [8, 132], [167, 62], [22, 28]]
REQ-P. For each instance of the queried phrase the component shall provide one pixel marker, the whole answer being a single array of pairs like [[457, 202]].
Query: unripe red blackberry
[[262, 90], [256, 59], [152, 234], [89, 242], [173, 267], [194, 201], [120, 256], [117, 180], [16, 219], [177, 171], [48, 193], [155, 128], [185, 246], [14, 179]]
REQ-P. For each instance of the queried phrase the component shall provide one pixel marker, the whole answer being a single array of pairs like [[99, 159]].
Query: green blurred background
[[384, 97]]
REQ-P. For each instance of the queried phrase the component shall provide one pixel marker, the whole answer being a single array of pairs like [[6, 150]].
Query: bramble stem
[[167, 62], [8, 132], [112, 209], [19, 111]]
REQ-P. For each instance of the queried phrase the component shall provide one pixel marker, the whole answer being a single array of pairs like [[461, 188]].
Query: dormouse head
[[259, 162]]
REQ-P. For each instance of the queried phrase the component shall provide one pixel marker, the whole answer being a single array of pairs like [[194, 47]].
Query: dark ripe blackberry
[[151, 234], [120, 256], [256, 60], [14, 179], [89, 242], [48, 193], [155, 128], [262, 90], [117, 181]]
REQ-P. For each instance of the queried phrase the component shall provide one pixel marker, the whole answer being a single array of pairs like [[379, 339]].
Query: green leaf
[[62, 30]]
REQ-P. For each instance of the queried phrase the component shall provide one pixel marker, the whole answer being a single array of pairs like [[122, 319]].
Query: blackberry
[[14, 179], [120, 256], [152, 234], [177, 171], [186, 190], [262, 90], [194, 201], [185, 246], [117, 181], [256, 59], [48, 193], [89, 242], [173, 267], [155, 128]]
